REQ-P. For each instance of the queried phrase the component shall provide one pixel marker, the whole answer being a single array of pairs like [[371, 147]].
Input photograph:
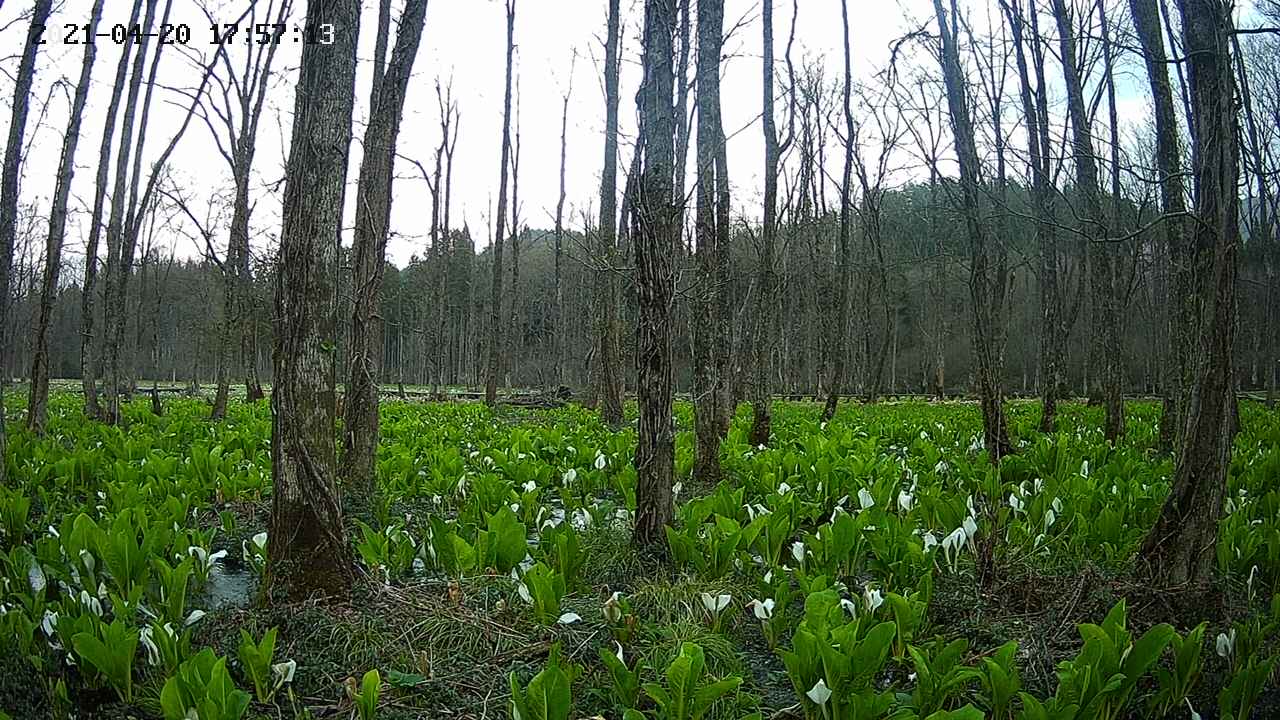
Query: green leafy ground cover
[[877, 566]]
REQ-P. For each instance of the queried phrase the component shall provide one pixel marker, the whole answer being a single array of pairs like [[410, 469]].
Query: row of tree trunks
[[369, 251]]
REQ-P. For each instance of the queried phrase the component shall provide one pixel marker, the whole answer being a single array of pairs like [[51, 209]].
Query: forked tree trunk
[[88, 294], [496, 342], [38, 399], [1180, 548], [308, 554], [656, 242], [708, 340], [9, 186], [369, 251], [609, 378]]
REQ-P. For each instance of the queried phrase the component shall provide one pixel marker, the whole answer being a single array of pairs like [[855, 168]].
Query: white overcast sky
[[464, 40]]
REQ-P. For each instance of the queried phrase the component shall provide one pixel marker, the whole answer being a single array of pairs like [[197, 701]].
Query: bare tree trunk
[[369, 251], [9, 188], [88, 363], [606, 289], [1101, 260], [515, 330], [1038, 151], [708, 340], [1180, 548], [122, 243], [308, 554], [995, 433], [839, 377], [559, 329], [767, 298], [38, 400], [496, 343], [656, 242]]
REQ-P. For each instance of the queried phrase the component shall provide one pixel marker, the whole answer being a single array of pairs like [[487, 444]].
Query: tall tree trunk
[[656, 242], [1101, 260], [496, 342], [995, 434], [38, 399], [308, 554], [1042, 198], [560, 337], [767, 296], [606, 284], [119, 218], [88, 294], [369, 251], [838, 372], [1146, 21], [9, 188], [514, 330], [708, 341], [1180, 548]]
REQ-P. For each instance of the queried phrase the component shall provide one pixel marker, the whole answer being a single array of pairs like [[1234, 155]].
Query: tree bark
[[606, 286], [496, 342], [995, 434], [708, 340], [843, 313], [9, 187], [656, 242], [369, 250], [38, 399], [308, 554], [88, 363], [1180, 548]]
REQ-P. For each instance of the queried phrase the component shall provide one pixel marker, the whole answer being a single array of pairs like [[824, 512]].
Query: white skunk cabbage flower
[[715, 605], [906, 501], [153, 652], [865, 500], [763, 609], [569, 618], [1226, 643], [612, 609], [569, 476], [600, 461], [194, 617], [872, 598], [283, 672], [819, 693], [797, 551]]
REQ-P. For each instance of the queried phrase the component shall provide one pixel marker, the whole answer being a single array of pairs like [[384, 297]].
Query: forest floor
[[448, 621]]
